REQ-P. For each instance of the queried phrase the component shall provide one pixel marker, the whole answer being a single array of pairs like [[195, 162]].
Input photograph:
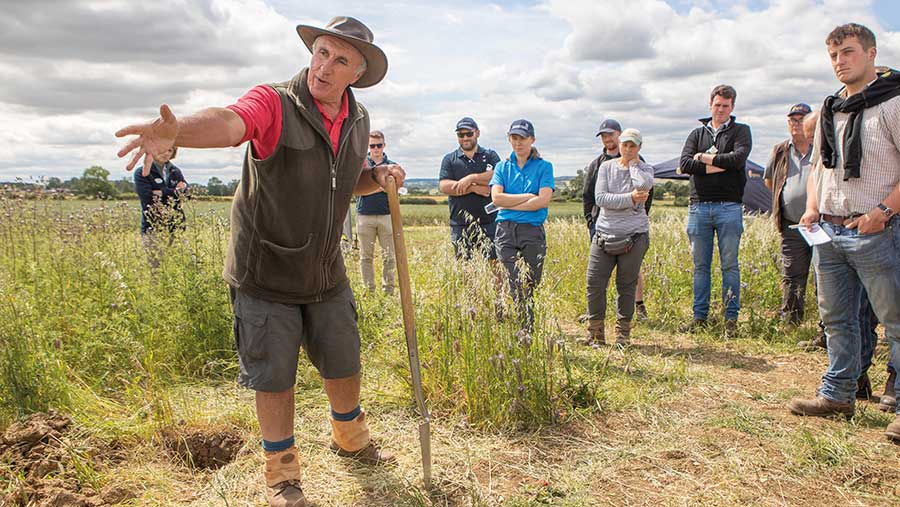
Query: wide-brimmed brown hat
[[353, 32]]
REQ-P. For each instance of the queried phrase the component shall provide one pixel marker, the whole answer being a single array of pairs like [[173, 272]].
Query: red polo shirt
[[260, 109]]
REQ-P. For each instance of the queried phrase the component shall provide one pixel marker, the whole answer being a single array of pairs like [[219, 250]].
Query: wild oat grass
[[84, 316], [87, 327]]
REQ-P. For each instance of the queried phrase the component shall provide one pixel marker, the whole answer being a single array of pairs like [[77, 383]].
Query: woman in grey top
[[622, 237]]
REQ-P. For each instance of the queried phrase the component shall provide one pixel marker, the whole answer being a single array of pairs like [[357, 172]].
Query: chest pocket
[[297, 135]]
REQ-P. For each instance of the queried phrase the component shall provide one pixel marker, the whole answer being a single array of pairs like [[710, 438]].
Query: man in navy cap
[[786, 176], [609, 133], [465, 176]]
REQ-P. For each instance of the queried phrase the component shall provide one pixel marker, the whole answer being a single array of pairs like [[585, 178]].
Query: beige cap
[[633, 135]]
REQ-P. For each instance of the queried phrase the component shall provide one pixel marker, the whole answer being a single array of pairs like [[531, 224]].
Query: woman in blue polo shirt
[[521, 187]]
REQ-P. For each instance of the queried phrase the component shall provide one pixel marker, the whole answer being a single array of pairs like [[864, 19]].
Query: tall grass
[[84, 320]]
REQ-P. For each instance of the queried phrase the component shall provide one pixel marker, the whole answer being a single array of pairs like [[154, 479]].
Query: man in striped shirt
[[852, 194]]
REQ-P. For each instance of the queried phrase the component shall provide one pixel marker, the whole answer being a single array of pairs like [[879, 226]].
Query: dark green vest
[[288, 210]]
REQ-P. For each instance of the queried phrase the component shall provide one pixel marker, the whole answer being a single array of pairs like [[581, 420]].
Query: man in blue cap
[[786, 176], [465, 176]]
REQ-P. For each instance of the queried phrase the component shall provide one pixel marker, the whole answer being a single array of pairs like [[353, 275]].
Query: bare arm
[[373, 180], [209, 128], [448, 187], [540, 201], [509, 201], [811, 215]]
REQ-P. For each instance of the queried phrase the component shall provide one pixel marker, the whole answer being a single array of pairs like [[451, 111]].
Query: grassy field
[[143, 364]]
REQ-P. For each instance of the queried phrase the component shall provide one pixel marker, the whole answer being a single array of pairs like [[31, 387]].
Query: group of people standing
[[310, 148]]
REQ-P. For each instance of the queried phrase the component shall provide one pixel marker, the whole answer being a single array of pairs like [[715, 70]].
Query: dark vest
[[288, 210]]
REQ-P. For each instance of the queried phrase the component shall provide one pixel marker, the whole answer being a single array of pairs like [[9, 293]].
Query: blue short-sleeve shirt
[[537, 174]]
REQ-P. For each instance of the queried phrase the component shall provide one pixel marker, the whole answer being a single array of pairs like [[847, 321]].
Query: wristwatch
[[888, 212]]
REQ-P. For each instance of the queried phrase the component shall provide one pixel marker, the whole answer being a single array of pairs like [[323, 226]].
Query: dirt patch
[[204, 448], [37, 447]]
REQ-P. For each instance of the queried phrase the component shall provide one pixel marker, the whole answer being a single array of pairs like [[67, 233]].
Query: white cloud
[[71, 73]]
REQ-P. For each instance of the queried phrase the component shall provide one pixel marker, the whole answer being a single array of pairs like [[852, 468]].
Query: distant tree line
[[679, 190], [95, 183]]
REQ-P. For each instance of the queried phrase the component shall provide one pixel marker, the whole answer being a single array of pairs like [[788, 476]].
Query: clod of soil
[[35, 447], [207, 448], [32, 445]]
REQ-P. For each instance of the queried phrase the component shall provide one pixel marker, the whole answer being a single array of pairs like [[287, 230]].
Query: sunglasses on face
[[462, 135], [376, 145]]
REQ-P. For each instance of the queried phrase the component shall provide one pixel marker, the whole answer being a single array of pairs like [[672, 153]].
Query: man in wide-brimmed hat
[[308, 138]]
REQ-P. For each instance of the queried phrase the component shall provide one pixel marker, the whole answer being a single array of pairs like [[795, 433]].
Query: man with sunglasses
[[373, 220], [465, 176]]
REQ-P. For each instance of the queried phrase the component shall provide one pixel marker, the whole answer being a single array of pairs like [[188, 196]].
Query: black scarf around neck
[[884, 88]]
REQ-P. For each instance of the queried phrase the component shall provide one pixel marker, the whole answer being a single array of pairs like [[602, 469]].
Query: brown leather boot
[[893, 430], [821, 407], [731, 329], [282, 474], [623, 332], [864, 388], [818, 342], [888, 401], [350, 439], [596, 334]]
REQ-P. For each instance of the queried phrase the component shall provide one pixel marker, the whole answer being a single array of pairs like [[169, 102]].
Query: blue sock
[[278, 446], [349, 416]]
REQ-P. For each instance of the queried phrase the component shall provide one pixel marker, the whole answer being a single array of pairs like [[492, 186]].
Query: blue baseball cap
[[609, 126], [800, 108], [522, 128], [466, 123]]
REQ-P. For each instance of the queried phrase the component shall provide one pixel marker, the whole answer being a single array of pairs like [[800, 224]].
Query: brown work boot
[[350, 439], [893, 430], [820, 407], [864, 388], [596, 334], [731, 329], [695, 326], [282, 474], [623, 332], [888, 401], [640, 311], [818, 342]]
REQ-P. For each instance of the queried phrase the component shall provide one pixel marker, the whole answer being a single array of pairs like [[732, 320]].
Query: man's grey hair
[[362, 66]]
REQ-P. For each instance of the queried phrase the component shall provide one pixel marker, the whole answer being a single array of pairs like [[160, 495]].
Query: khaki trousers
[[368, 228]]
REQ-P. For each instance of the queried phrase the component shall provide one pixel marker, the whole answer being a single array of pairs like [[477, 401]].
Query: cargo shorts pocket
[[250, 333]]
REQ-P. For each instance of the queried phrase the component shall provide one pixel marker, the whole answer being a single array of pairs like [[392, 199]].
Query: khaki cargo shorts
[[269, 337]]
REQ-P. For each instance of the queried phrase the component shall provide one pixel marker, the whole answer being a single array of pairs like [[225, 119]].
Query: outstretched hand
[[153, 138]]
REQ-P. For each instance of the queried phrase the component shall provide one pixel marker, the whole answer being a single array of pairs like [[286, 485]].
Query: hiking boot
[[350, 439], [731, 329], [864, 388], [818, 342], [371, 454], [695, 326], [282, 474], [623, 332], [893, 430], [888, 401], [820, 407], [640, 310], [285, 494], [596, 335]]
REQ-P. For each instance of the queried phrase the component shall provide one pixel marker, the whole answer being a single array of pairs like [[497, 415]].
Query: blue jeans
[[724, 220], [849, 263], [867, 332]]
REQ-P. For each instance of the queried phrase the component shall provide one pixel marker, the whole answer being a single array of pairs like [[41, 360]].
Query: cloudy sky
[[74, 71]]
